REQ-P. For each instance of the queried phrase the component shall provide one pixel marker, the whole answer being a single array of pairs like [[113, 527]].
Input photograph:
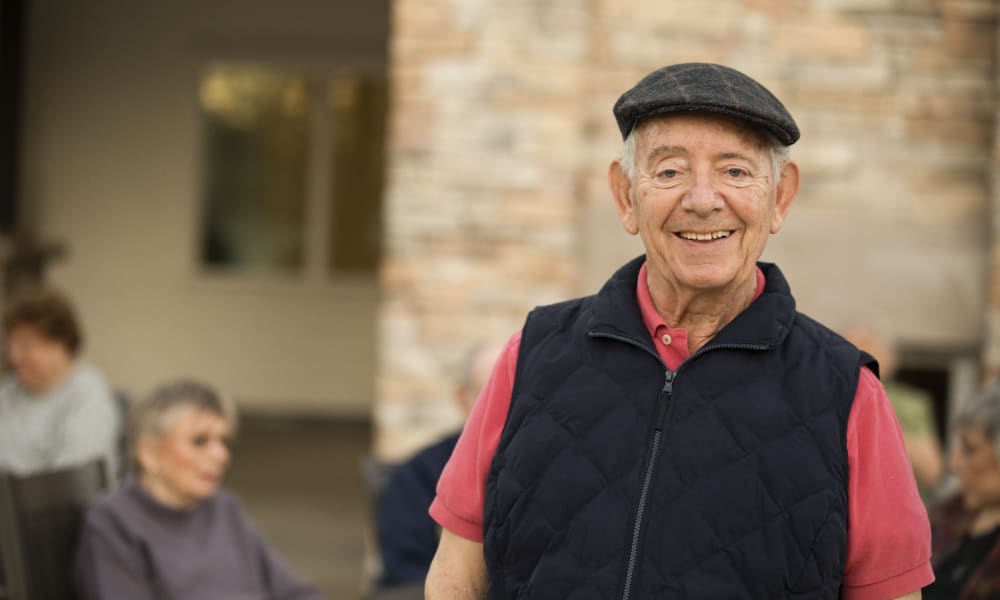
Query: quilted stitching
[[563, 491]]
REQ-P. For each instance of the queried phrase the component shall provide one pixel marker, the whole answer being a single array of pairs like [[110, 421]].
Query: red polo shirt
[[888, 535]]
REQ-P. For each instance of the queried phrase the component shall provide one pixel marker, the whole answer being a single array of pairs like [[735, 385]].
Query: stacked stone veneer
[[991, 347], [500, 135]]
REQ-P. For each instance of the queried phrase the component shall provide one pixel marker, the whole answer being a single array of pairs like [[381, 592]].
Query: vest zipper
[[647, 480], [654, 451], [654, 447]]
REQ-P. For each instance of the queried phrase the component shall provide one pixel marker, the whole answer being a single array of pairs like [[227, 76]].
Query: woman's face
[[38, 362], [185, 465], [974, 462]]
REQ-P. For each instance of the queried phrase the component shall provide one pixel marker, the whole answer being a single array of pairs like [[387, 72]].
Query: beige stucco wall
[[502, 132], [111, 168]]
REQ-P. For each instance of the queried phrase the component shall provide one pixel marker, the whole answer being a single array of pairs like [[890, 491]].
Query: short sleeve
[[461, 490], [888, 536]]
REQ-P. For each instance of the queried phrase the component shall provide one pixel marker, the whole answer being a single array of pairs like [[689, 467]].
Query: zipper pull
[[668, 385], [661, 409]]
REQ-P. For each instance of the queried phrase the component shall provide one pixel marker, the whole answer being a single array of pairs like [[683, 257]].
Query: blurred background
[[322, 206]]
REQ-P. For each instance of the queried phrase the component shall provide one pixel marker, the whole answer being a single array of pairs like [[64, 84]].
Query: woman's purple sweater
[[134, 548]]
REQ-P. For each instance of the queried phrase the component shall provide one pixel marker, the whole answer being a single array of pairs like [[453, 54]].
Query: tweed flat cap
[[703, 87]]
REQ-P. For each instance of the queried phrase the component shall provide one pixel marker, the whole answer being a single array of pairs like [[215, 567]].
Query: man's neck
[[701, 314]]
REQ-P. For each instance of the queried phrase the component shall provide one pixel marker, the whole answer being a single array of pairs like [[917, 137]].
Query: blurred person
[[55, 409], [407, 535], [685, 432], [913, 407], [170, 532], [966, 527]]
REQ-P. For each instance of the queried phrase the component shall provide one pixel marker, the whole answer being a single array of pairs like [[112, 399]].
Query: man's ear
[[788, 188], [621, 189]]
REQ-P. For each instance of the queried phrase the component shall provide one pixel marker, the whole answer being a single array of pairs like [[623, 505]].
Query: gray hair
[[982, 412], [150, 416], [779, 153]]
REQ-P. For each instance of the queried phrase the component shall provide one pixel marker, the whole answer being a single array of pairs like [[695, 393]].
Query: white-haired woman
[[966, 528], [169, 532]]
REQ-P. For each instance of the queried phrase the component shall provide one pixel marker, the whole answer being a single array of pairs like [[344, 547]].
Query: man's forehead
[[658, 134]]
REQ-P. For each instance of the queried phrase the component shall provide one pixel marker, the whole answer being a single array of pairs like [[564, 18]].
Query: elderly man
[[685, 433]]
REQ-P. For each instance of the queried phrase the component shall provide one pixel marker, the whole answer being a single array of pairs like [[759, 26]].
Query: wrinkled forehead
[[743, 132]]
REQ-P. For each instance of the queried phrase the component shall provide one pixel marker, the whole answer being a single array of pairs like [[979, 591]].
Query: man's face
[[703, 200]]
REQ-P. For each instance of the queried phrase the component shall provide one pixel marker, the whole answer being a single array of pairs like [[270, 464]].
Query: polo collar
[[765, 323]]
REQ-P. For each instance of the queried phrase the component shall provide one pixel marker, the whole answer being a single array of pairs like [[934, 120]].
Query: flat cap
[[704, 87]]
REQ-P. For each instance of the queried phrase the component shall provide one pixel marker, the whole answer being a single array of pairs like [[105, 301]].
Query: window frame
[[317, 274]]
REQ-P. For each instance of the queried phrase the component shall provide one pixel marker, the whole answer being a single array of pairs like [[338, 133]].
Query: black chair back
[[40, 518]]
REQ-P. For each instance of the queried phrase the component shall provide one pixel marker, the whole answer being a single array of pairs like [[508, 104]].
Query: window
[[358, 107], [292, 171]]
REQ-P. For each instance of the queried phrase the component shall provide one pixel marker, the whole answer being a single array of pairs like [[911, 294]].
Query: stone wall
[[501, 132], [991, 346], [481, 201]]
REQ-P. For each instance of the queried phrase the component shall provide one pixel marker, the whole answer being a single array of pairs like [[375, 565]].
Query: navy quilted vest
[[617, 478]]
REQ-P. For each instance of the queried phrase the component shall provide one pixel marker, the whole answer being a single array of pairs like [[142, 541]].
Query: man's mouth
[[705, 237]]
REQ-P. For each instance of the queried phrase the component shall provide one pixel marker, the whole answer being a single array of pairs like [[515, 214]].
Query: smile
[[704, 237]]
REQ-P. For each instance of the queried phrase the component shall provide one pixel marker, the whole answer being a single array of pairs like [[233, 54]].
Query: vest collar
[[765, 323]]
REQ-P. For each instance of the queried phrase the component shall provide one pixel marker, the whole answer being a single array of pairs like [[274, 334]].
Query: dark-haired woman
[[55, 410]]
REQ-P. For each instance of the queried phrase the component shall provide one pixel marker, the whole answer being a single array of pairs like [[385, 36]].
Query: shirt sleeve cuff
[[454, 523], [893, 587]]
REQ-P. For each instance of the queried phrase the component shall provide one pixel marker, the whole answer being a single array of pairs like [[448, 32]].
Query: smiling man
[[685, 432]]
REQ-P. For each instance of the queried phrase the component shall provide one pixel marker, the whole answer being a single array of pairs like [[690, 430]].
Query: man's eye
[[734, 172], [668, 173], [200, 440]]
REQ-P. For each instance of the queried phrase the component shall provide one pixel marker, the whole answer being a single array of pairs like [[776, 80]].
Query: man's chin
[[711, 279]]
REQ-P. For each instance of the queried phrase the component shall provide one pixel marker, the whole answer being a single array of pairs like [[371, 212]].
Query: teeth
[[704, 237]]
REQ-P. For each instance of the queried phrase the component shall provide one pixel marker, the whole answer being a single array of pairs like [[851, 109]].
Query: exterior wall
[[111, 168], [502, 132], [991, 349], [482, 199]]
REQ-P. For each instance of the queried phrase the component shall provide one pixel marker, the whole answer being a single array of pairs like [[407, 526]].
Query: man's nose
[[703, 197]]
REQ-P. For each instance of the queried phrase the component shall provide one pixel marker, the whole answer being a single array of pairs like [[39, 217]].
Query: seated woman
[[55, 410], [966, 527], [170, 533]]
